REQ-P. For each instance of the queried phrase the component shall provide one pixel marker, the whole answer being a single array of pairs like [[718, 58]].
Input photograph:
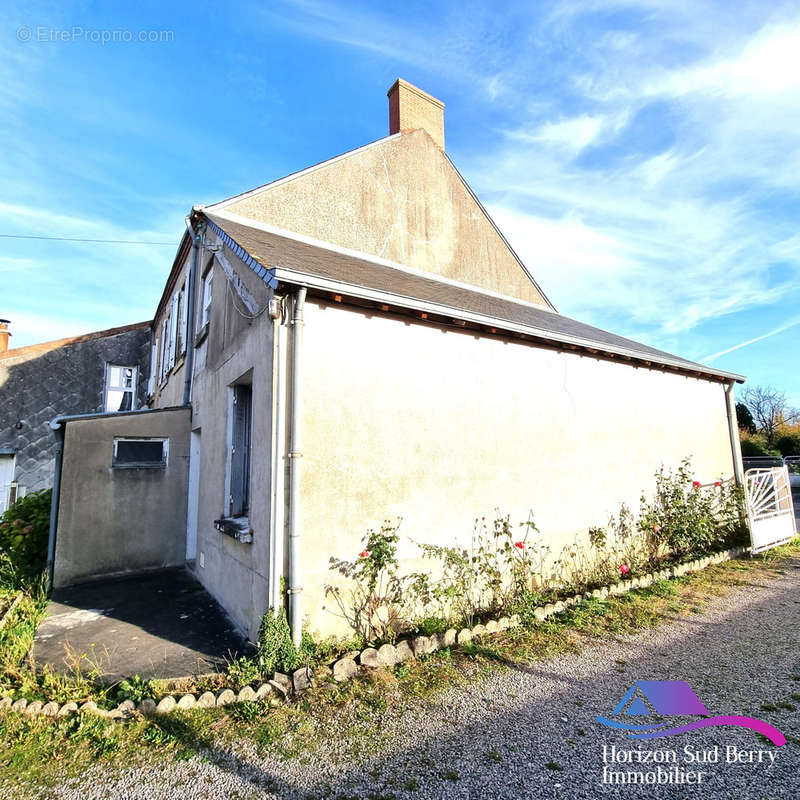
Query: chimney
[[411, 108], [4, 334]]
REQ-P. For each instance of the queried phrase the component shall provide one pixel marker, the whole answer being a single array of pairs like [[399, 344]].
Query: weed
[[554, 765]]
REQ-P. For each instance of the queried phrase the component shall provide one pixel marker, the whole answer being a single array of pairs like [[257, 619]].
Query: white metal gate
[[770, 513]]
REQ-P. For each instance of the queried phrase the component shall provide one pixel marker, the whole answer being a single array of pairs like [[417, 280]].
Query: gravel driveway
[[531, 732]]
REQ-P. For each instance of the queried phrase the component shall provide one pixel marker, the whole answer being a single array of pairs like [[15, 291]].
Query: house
[[358, 342], [99, 372]]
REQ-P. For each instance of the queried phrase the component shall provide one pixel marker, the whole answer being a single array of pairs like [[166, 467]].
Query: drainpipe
[[188, 364], [56, 425], [295, 454], [733, 431]]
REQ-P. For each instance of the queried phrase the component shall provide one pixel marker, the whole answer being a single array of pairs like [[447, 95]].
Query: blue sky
[[642, 157]]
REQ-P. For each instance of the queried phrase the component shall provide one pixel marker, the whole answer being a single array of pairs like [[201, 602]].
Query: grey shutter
[[240, 455]]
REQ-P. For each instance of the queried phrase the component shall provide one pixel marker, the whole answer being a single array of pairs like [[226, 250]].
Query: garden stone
[[206, 700], [34, 708], [115, 713], [369, 658], [596, 593], [246, 694], [284, 681], [558, 607], [491, 626], [262, 691], [539, 613], [225, 697], [147, 706], [478, 631], [464, 636], [5, 703], [89, 707], [50, 709], [19, 705], [167, 704], [71, 708], [280, 692], [450, 637], [434, 643], [301, 678], [187, 701], [419, 644], [502, 624], [387, 656], [127, 706], [344, 669], [514, 621], [403, 651]]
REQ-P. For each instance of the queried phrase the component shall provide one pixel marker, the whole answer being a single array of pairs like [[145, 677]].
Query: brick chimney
[[4, 334], [410, 108]]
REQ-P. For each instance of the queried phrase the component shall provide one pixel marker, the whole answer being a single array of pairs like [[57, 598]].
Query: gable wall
[[401, 200]]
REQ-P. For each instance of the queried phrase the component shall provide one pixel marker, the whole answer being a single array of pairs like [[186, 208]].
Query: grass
[[36, 752]]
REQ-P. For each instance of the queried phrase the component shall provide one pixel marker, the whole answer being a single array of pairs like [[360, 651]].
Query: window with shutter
[[240, 450]]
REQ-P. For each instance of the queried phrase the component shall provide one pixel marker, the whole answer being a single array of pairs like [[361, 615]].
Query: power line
[[68, 239]]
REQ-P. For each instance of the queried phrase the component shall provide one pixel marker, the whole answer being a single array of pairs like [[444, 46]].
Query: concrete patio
[[158, 625]]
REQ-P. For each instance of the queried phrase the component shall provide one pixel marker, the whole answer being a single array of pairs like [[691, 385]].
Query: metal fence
[[770, 511]]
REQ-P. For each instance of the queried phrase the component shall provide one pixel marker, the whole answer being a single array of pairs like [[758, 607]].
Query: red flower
[[717, 483], [696, 484], [520, 545], [364, 554], [624, 569]]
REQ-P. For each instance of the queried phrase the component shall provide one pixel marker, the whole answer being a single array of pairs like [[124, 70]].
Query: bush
[[789, 444], [685, 517], [756, 445], [24, 531], [276, 651]]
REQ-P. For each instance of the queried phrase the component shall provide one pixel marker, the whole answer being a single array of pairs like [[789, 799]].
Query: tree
[[769, 410], [744, 418]]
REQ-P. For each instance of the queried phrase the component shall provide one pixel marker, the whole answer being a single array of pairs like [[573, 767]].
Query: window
[[241, 423], [133, 453], [120, 388], [206, 316]]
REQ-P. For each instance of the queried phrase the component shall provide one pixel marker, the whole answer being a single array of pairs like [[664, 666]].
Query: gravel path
[[496, 738]]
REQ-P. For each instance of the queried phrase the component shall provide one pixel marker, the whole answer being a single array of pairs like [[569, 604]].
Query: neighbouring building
[[358, 342], [100, 372]]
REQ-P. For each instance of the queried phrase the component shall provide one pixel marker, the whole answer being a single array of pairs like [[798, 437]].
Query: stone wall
[[40, 382]]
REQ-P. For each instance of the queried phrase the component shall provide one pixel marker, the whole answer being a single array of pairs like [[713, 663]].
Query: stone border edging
[[280, 686], [388, 655]]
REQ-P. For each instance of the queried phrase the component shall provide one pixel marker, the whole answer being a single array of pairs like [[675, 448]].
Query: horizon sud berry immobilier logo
[[648, 711]]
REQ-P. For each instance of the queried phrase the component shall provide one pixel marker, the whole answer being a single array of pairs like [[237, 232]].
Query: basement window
[[140, 453]]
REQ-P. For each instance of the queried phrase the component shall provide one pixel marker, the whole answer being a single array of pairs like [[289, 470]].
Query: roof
[[281, 257], [45, 347]]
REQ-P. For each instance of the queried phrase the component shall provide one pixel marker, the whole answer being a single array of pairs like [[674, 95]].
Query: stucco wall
[[402, 200], [235, 573], [40, 382], [406, 420], [119, 520]]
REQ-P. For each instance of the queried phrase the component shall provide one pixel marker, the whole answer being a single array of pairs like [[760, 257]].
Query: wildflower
[[624, 569], [520, 545], [696, 484], [364, 554], [717, 483], [27, 529], [657, 528]]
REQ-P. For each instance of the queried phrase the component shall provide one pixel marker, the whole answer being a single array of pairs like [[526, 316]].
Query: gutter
[[189, 363], [295, 587], [56, 425]]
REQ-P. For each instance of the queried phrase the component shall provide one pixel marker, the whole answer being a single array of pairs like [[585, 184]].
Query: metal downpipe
[[57, 427], [295, 454], [733, 431]]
